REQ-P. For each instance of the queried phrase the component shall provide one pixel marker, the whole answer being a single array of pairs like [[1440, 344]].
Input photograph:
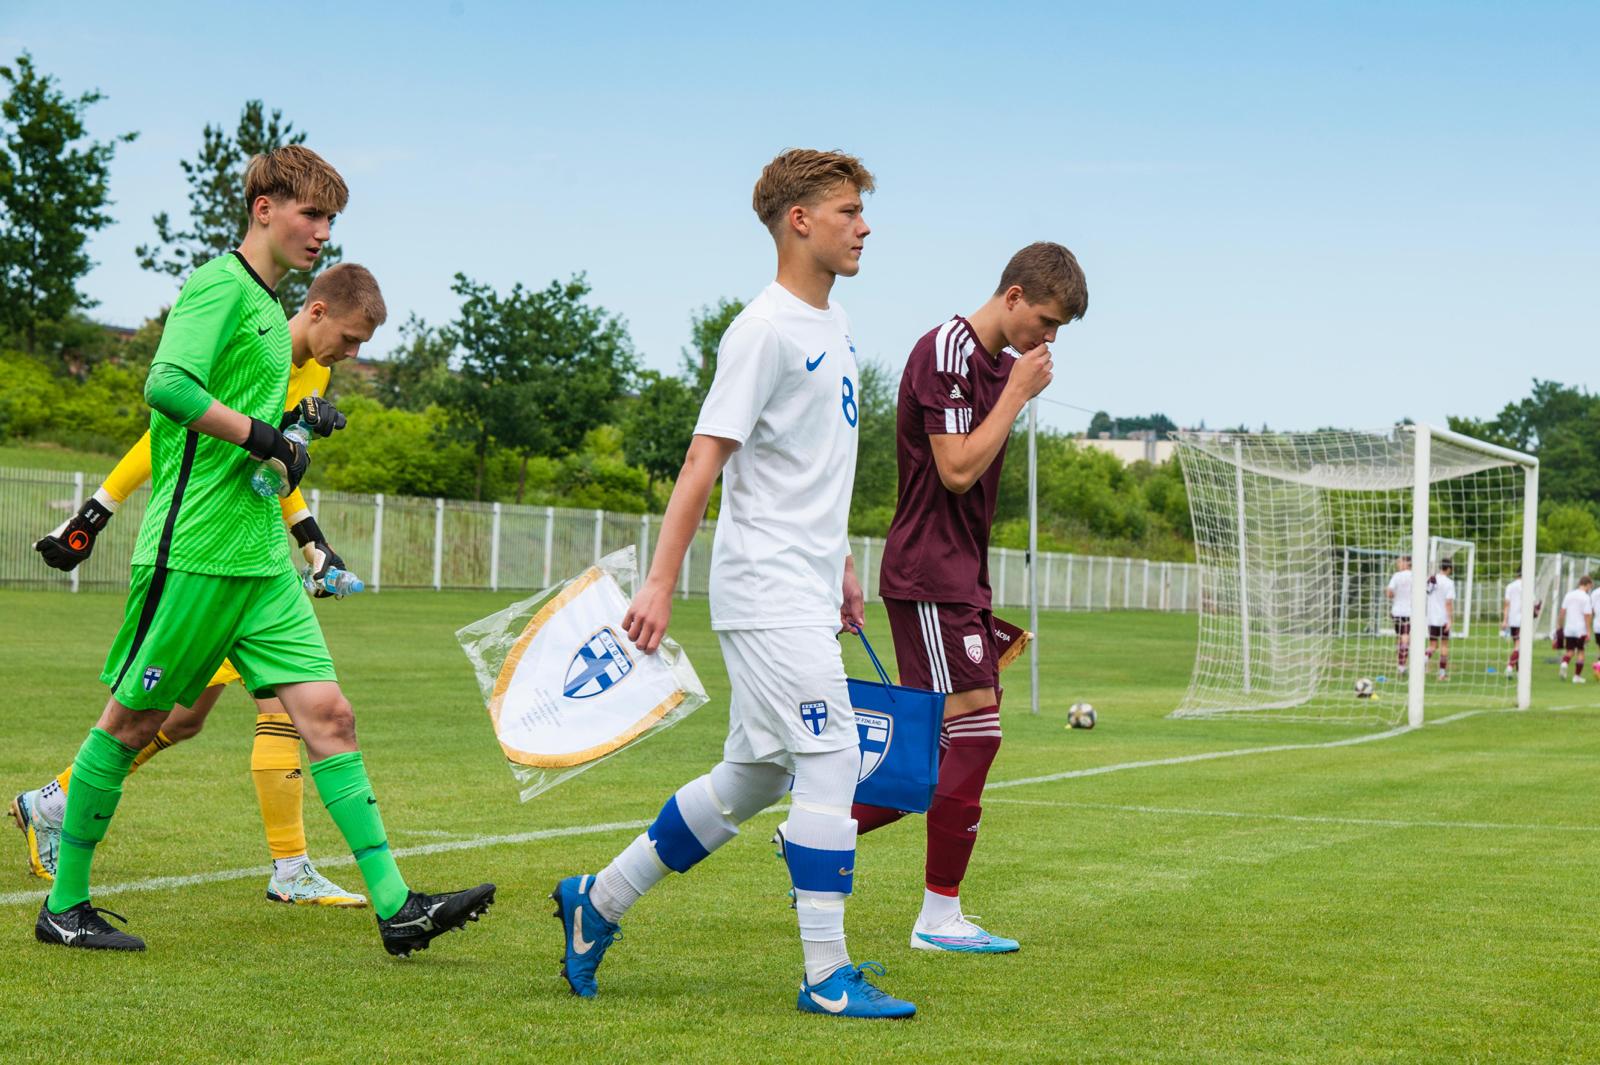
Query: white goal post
[[1298, 536]]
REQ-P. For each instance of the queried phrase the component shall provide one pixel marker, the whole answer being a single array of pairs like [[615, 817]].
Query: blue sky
[[1292, 213]]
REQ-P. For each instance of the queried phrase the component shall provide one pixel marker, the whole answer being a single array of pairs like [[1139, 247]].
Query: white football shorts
[[789, 695]]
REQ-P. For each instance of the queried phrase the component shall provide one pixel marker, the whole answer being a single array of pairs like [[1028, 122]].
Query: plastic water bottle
[[267, 481], [336, 582]]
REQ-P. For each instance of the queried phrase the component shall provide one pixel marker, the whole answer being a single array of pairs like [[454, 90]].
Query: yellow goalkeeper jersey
[[133, 469]]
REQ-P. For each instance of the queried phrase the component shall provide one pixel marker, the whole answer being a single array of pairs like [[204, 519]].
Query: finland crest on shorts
[[152, 677], [815, 716]]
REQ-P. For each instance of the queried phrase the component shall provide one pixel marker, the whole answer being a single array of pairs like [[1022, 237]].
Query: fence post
[[683, 584], [549, 542], [1049, 571], [1127, 584], [316, 503], [77, 504], [1001, 598], [377, 541], [866, 571], [1111, 572], [1066, 600], [1144, 593], [494, 551], [644, 545], [599, 531], [438, 544]]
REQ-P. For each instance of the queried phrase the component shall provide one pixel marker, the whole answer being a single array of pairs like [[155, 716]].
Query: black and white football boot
[[82, 926], [423, 917]]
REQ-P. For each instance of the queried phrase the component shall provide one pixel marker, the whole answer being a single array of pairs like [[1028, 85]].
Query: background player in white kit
[[1511, 619], [1399, 593], [1577, 625], [780, 424], [1441, 612]]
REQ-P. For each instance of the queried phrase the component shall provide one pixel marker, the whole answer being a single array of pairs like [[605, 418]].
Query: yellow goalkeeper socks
[[151, 749], [280, 786]]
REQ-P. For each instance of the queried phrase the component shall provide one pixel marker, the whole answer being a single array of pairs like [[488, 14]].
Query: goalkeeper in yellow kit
[[342, 309]]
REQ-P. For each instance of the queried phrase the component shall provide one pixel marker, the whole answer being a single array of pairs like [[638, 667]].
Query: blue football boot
[[848, 993], [587, 934]]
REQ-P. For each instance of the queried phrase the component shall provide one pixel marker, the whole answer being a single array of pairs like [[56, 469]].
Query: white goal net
[[1299, 537]]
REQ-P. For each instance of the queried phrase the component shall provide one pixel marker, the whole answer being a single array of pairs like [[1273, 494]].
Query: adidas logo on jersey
[[955, 392]]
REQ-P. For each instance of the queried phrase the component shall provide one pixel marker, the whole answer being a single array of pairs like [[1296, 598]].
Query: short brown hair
[[1047, 271], [804, 176], [346, 287], [295, 172]]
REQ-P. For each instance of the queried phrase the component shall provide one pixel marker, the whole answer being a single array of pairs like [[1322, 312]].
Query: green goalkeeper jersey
[[229, 333]]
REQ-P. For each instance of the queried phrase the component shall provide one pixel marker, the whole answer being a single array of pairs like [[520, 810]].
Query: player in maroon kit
[[963, 387]]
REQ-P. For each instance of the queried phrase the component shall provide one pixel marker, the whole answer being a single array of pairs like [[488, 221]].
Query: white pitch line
[[1244, 815], [159, 883], [222, 875]]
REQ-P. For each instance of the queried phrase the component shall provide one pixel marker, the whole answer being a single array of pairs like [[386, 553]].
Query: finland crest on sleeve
[[574, 687]]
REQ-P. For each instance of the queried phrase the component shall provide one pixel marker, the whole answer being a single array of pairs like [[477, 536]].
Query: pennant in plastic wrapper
[[565, 687]]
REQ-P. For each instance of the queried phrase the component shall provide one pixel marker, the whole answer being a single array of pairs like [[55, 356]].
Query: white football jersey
[[1594, 600], [1513, 601], [786, 389], [1441, 590], [1574, 608], [1400, 585]]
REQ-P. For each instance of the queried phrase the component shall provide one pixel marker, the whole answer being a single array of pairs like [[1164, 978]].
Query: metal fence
[[403, 542]]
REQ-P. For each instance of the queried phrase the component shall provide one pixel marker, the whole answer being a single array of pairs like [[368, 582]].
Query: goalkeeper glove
[[73, 540], [288, 459], [319, 415], [317, 552]]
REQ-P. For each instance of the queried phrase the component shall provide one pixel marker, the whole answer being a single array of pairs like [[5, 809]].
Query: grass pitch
[[1414, 896]]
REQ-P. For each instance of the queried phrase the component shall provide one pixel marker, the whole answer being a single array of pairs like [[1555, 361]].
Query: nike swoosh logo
[[832, 1005], [371, 801], [263, 332], [102, 817], [579, 944], [846, 872], [813, 365]]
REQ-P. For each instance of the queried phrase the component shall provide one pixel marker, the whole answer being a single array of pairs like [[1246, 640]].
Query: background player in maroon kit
[[963, 387]]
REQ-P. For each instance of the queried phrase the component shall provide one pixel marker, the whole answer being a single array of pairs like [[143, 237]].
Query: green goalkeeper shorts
[[179, 626]]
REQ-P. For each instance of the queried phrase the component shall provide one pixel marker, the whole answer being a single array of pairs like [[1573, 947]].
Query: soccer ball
[[1364, 688], [1080, 715]]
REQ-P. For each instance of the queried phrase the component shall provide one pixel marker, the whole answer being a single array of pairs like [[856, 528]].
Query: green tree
[[706, 327], [658, 427], [416, 373], [218, 217], [1561, 425], [877, 469], [535, 370], [54, 188]]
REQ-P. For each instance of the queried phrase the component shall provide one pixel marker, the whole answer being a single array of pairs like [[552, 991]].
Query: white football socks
[[286, 869], [630, 874], [938, 909]]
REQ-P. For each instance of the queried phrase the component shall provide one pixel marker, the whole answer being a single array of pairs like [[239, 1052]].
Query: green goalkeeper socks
[[342, 782], [98, 771]]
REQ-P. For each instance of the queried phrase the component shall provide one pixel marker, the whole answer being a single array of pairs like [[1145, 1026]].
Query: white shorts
[[789, 695]]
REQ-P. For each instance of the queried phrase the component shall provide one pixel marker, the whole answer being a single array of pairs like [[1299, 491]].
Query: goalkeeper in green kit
[[212, 577]]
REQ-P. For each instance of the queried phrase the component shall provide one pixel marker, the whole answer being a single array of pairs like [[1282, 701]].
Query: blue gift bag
[[899, 729]]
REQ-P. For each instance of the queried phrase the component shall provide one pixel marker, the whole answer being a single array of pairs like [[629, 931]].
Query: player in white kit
[[1441, 612], [1577, 625], [1511, 619], [779, 424], [1399, 593]]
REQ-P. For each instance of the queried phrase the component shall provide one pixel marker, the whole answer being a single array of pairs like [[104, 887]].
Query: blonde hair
[[804, 176], [295, 172], [1047, 271], [348, 287]]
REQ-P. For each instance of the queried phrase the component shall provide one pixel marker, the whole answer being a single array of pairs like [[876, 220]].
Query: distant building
[[1143, 446]]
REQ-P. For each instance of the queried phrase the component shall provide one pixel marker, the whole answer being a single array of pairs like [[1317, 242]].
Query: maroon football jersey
[[938, 546]]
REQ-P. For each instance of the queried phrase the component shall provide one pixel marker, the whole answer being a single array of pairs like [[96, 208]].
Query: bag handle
[[888, 685]]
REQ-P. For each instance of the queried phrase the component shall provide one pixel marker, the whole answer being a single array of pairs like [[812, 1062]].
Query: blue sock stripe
[[367, 852], [676, 846], [812, 869]]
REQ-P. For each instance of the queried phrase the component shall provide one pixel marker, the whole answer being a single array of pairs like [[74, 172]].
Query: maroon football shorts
[[944, 647], [1570, 643], [1402, 626]]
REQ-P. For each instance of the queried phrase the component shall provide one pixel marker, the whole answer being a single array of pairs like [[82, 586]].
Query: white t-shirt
[[1594, 600], [1574, 608], [1400, 585], [1441, 590], [1513, 601], [787, 389]]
